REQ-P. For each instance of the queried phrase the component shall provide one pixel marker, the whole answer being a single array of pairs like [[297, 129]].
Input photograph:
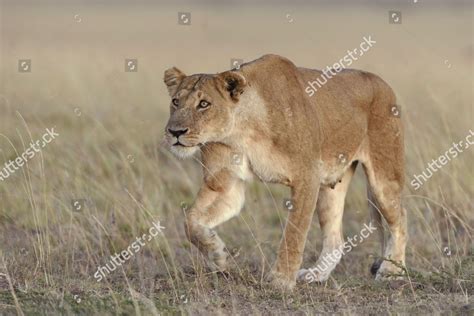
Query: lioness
[[258, 120]]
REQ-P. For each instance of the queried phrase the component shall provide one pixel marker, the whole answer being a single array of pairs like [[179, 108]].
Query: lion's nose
[[177, 132]]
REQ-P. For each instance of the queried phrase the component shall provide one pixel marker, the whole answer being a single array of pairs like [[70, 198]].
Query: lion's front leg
[[211, 208], [290, 254]]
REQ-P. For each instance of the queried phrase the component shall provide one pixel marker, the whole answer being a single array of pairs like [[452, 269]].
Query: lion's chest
[[266, 163]]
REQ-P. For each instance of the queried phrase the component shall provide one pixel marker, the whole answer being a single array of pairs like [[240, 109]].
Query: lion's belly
[[334, 163]]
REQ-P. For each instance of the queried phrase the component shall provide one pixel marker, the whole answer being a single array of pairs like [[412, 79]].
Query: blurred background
[[110, 119]]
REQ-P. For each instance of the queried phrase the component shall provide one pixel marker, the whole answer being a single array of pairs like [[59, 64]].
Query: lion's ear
[[173, 78], [234, 83]]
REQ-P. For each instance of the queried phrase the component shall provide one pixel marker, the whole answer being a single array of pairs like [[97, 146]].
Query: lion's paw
[[309, 276], [280, 281], [217, 260], [389, 272]]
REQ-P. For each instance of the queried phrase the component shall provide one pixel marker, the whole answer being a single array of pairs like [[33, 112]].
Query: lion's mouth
[[182, 149], [181, 144]]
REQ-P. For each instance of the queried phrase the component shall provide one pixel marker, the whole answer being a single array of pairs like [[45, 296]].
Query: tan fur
[[261, 115]]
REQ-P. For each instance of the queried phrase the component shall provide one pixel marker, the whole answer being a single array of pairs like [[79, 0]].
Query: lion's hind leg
[[384, 169], [387, 202]]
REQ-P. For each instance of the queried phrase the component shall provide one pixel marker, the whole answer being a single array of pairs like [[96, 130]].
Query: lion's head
[[202, 108]]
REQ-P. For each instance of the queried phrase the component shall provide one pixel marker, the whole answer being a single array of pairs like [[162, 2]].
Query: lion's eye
[[175, 102], [203, 104]]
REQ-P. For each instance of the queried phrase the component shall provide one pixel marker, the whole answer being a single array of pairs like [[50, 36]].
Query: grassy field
[[108, 158]]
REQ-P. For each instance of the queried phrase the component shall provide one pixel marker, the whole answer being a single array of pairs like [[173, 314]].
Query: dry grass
[[110, 124]]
